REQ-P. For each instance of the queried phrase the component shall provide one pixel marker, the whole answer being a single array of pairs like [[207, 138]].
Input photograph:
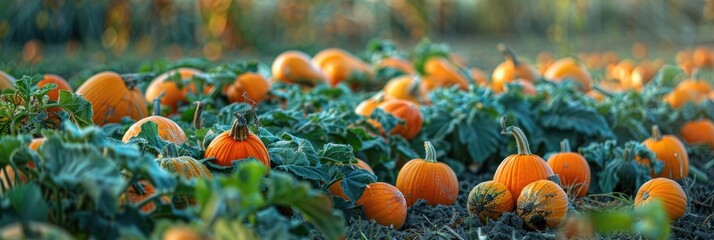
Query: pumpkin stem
[[132, 79], [157, 104], [197, 119], [565, 146], [240, 130], [430, 152], [656, 134], [414, 87], [521, 140], [508, 54]]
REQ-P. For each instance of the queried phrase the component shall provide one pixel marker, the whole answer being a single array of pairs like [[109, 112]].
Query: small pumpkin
[[568, 68], [542, 204], [341, 66], [668, 192], [57, 80], [510, 69], [698, 132], [397, 63], [489, 200], [140, 191], [168, 91], [407, 112], [182, 233], [112, 98], [572, 169], [699, 86], [428, 179], [6, 81], [518, 170], [236, 144], [681, 96], [671, 151], [406, 87], [336, 189], [185, 167], [384, 204], [445, 69], [254, 85], [168, 129], [296, 67]]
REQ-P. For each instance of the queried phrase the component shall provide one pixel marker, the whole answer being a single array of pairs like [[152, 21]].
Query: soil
[[454, 222]]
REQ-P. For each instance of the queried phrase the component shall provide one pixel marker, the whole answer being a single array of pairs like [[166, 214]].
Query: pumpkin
[[341, 66], [6, 81], [236, 144], [17, 230], [113, 98], [622, 72], [518, 170], [568, 68], [7, 176], [699, 86], [407, 112], [397, 63], [57, 80], [404, 87], [173, 96], [444, 69], [384, 204], [489, 200], [168, 129], [295, 67], [254, 85], [35, 144], [366, 107], [336, 189], [668, 192], [542, 204], [182, 233], [428, 179], [680, 96], [698, 132], [701, 57], [139, 192], [510, 70], [572, 169], [185, 167], [671, 151], [527, 86], [479, 76]]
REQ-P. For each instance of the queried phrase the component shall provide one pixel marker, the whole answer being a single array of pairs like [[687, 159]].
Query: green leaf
[[28, 203], [336, 153], [78, 108], [9, 145], [150, 133], [355, 181]]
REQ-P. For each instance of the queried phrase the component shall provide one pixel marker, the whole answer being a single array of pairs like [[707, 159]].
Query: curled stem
[[521, 140], [239, 130]]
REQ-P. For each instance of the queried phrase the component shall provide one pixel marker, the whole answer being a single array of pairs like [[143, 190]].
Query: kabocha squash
[[572, 169], [59, 81], [384, 204], [336, 189], [668, 192], [295, 67], [510, 70], [6, 81], [671, 151], [407, 112], [518, 170], [489, 200], [253, 85], [699, 132], [236, 144], [405, 87], [173, 96], [112, 98], [568, 68], [542, 204], [168, 129], [137, 193], [428, 179]]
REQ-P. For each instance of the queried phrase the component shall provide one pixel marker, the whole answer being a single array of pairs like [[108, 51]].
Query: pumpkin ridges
[[667, 147], [385, 204], [427, 179], [107, 92], [489, 200], [543, 204], [668, 192]]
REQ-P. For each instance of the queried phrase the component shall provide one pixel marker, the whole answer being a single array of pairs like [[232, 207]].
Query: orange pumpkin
[[336, 189], [510, 70], [236, 144], [518, 170], [407, 112], [366, 107], [622, 72], [59, 81], [172, 95], [182, 233], [139, 192], [699, 86], [444, 69], [489, 200], [254, 85], [341, 66], [479, 76], [701, 57], [542, 204], [428, 179], [671, 151], [568, 68], [572, 169], [384, 204], [668, 192], [295, 67], [35, 144], [168, 129], [397, 63], [113, 98], [404, 87], [698, 132], [680, 96], [187, 168], [543, 61], [6, 81]]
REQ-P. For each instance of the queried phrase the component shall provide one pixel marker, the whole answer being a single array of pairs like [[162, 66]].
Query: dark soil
[[453, 222]]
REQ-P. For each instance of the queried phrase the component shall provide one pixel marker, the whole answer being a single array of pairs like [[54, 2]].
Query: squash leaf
[[78, 108]]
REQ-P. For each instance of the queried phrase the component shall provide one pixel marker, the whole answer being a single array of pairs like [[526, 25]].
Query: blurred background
[[131, 31]]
